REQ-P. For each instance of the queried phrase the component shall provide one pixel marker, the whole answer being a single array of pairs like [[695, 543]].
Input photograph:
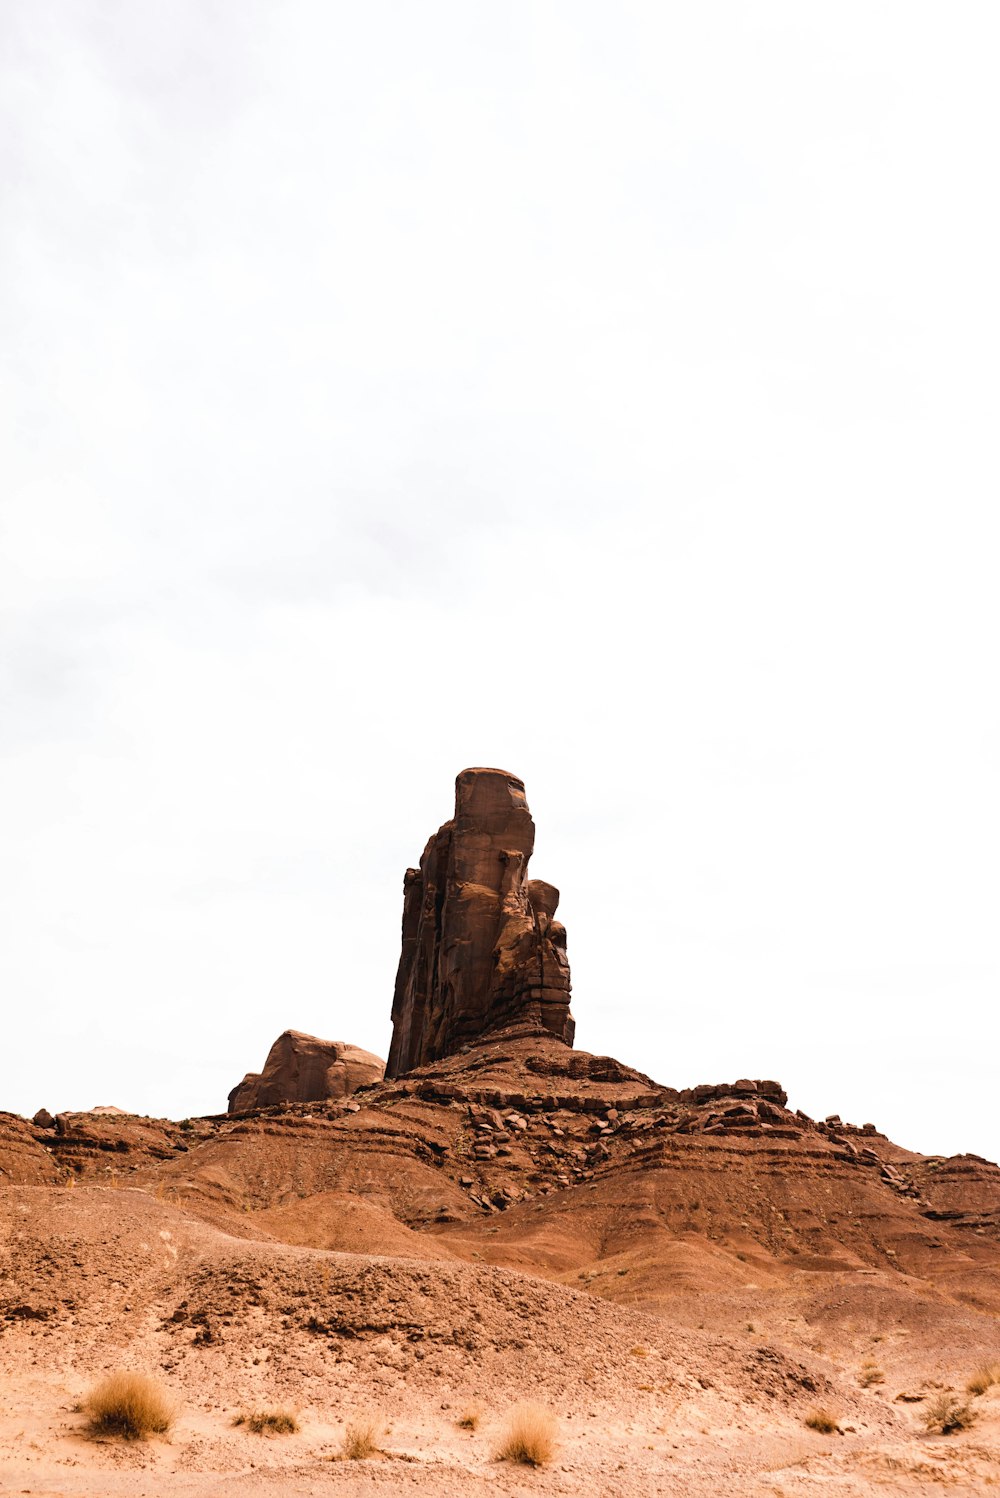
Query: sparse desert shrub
[[946, 1414], [822, 1420], [470, 1417], [361, 1440], [269, 1422], [985, 1376], [639, 1351], [870, 1374], [129, 1405], [529, 1436]]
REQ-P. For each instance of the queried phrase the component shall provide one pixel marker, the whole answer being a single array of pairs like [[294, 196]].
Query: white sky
[[603, 391]]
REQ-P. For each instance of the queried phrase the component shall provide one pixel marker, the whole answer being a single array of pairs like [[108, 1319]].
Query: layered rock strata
[[481, 945], [302, 1069]]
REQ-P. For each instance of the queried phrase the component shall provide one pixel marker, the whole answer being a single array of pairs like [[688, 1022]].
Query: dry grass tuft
[[361, 1440], [529, 1436], [470, 1417], [129, 1405], [269, 1422], [870, 1374], [985, 1376], [947, 1414], [821, 1419]]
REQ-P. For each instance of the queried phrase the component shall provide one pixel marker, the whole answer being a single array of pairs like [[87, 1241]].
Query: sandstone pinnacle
[[481, 946]]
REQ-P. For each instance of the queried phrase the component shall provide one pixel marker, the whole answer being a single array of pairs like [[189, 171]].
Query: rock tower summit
[[481, 946]]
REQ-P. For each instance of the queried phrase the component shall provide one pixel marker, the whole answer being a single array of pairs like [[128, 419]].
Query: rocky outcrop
[[301, 1069], [960, 1189], [24, 1159], [481, 945]]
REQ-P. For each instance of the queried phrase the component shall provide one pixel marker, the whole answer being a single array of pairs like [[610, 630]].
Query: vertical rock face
[[481, 946]]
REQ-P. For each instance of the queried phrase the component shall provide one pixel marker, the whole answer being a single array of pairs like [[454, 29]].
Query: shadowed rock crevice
[[481, 945]]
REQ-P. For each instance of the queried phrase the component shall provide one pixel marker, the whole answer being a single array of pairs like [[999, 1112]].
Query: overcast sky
[[607, 392]]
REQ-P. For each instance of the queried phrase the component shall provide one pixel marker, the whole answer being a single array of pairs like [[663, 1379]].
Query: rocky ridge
[[522, 1120]]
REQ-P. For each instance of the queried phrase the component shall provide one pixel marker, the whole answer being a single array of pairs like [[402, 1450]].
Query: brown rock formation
[[24, 1159], [301, 1069], [481, 947]]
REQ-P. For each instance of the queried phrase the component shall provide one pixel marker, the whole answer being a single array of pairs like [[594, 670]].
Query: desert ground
[[682, 1279]]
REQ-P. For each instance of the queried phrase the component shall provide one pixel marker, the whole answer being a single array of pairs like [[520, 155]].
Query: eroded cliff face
[[481, 945]]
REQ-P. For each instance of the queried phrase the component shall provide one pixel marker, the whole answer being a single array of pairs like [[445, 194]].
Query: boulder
[[303, 1069], [481, 946]]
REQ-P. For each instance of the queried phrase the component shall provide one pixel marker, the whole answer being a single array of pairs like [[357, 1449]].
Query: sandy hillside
[[681, 1278]]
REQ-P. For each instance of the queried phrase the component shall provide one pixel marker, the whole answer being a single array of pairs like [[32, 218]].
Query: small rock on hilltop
[[304, 1069]]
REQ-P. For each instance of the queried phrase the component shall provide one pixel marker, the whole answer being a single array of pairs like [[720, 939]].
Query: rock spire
[[481, 947]]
